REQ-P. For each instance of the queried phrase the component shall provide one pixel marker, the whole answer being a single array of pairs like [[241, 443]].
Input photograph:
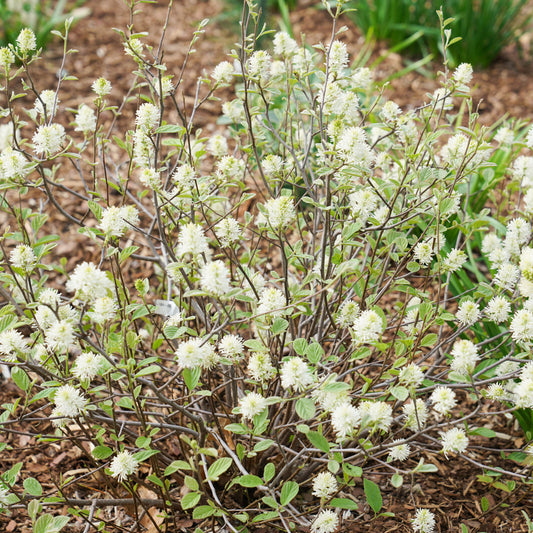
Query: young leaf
[[288, 492], [373, 495], [218, 468]]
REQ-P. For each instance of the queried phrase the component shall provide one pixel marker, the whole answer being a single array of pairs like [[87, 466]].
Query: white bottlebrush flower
[[85, 119], [362, 78], [522, 325], [271, 302], [354, 148], [60, 335], [45, 316], [454, 440], [217, 145], [284, 45], [324, 485], [89, 282], [260, 366], [150, 178], [411, 375], [296, 374], [411, 321], [468, 313], [443, 400], [368, 327], [415, 417], [47, 101], [48, 139], [12, 343], [424, 521], [465, 356], [147, 117], [326, 522], [259, 65], [278, 213], [215, 278], [526, 263], [184, 176], [399, 452], [134, 48], [193, 241], [13, 165], [123, 465], [87, 366], [101, 87], [50, 297], [423, 252], [7, 58], [23, 257], [26, 41], [338, 58], [344, 419], [363, 204], [390, 111], [69, 402], [348, 314], [143, 148], [496, 391], [234, 111], [497, 309], [504, 135], [252, 404], [454, 260], [196, 353], [490, 242], [507, 276], [116, 221], [231, 346], [455, 150], [104, 309], [523, 394], [463, 76], [329, 400], [223, 73], [375, 415], [272, 165], [230, 168], [228, 231]]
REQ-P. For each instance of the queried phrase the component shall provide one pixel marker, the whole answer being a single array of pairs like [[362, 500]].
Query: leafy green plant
[[485, 26], [42, 16]]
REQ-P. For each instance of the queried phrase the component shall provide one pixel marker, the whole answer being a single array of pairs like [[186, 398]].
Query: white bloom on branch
[[260, 366], [424, 521], [272, 165], [348, 314], [454, 440], [116, 221], [324, 485], [454, 260], [215, 278], [284, 45], [411, 375], [463, 76], [296, 373], [338, 58], [123, 465], [363, 204], [411, 321], [13, 164], [507, 276], [46, 102], [368, 327], [12, 343], [7, 58], [101, 87], [271, 302], [522, 325], [231, 346], [23, 257], [69, 402], [259, 65], [104, 309], [50, 297], [468, 313], [423, 252], [217, 145], [48, 139], [89, 282], [344, 420], [278, 212], [399, 452], [196, 353], [326, 522], [223, 73], [193, 241], [416, 414], [85, 119], [147, 117], [60, 335], [26, 41], [498, 309], [443, 400], [87, 366], [375, 415], [150, 178], [252, 404], [465, 356], [228, 231]]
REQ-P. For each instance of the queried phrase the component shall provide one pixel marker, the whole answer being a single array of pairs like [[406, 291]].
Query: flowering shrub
[[315, 316]]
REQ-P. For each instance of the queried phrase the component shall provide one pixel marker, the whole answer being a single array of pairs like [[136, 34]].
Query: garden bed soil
[[455, 493]]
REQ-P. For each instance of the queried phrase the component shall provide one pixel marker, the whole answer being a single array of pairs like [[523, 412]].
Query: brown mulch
[[454, 493]]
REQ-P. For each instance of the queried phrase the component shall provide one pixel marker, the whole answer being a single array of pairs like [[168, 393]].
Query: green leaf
[[265, 517], [102, 452], [263, 445], [299, 346], [483, 432], [238, 429], [152, 369], [279, 325], [96, 209], [203, 511], [21, 378], [190, 500], [191, 376], [485, 504], [249, 480], [191, 483], [218, 468], [318, 441], [129, 250], [288, 492], [400, 393], [174, 466], [373, 495], [429, 340], [268, 472], [306, 409], [314, 352], [170, 128], [33, 487], [144, 454], [344, 503], [397, 480]]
